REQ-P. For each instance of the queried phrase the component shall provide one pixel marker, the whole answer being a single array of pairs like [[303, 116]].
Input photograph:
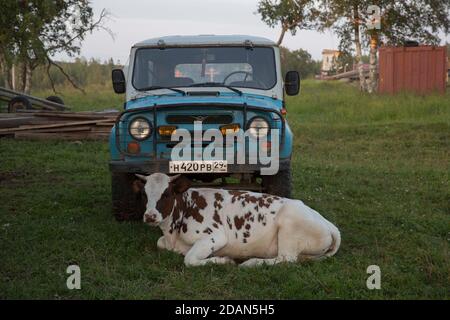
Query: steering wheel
[[245, 78]]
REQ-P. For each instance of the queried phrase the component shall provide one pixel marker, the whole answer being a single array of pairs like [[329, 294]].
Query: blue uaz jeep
[[182, 83]]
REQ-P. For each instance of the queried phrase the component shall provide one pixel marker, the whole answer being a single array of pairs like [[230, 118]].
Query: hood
[[224, 98]]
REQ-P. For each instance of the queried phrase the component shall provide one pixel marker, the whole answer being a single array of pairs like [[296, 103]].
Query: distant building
[[329, 61]]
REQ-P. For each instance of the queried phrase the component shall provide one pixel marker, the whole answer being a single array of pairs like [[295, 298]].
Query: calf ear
[[173, 178], [138, 186], [142, 177], [181, 184]]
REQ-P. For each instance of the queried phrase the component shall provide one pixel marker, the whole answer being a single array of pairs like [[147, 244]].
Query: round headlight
[[140, 128], [258, 128]]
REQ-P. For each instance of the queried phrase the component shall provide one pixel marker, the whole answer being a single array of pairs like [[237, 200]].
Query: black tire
[[279, 184], [127, 205], [19, 103], [55, 99]]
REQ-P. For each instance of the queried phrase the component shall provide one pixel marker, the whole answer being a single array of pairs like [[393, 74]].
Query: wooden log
[[74, 115], [66, 129], [87, 113], [60, 136], [5, 124], [106, 124], [14, 122], [53, 125], [101, 129], [14, 115]]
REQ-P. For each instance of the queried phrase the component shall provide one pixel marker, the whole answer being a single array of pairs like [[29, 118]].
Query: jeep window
[[183, 67]]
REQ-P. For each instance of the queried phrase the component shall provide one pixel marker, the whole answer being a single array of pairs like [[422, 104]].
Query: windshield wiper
[[159, 87], [217, 85]]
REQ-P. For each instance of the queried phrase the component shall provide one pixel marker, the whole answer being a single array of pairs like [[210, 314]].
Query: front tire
[[55, 99], [19, 103], [127, 205], [279, 184]]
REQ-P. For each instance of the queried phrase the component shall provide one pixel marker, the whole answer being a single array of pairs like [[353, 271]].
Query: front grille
[[205, 119]]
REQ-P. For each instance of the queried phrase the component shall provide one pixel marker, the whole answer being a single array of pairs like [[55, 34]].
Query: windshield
[[184, 67]]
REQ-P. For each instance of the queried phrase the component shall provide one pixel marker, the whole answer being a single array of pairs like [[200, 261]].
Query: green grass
[[94, 98], [376, 166]]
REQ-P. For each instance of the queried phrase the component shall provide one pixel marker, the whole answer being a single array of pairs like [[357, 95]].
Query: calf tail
[[336, 236]]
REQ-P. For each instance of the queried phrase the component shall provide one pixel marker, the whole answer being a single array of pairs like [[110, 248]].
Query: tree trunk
[[13, 77], [23, 76], [28, 72], [283, 32], [362, 76], [25, 72], [6, 71], [373, 72]]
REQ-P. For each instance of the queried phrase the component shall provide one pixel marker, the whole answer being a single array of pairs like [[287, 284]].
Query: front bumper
[[162, 165]]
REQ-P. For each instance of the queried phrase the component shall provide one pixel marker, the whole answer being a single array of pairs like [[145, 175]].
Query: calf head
[[161, 191]]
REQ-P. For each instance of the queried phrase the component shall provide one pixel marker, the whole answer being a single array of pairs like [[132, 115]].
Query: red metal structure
[[421, 69]]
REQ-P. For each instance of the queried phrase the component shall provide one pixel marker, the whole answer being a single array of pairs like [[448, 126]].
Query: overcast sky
[[136, 20]]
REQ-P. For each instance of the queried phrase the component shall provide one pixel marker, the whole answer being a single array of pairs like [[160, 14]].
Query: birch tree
[[290, 15], [32, 32], [398, 21]]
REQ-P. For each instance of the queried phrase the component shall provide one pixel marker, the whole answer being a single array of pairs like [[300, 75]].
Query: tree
[[291, 14], [6, 39], [299, 60], [346, 19], [32, 32], [420, 20]]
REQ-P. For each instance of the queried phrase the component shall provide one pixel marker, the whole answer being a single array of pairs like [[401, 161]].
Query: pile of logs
[[61, 125]]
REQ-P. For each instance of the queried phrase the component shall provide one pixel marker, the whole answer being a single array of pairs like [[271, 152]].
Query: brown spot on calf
[[216, 217], [199, 200], [238, 222], [218, 197]]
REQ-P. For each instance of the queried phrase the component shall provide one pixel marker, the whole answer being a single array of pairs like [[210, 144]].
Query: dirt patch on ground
[[11, 177]]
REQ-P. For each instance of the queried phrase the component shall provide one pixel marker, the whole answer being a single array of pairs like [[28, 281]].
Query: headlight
[[258, 128], [140, 128]]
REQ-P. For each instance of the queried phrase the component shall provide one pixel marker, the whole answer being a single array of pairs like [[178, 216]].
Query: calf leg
[[290, 242], [259, 262], [201, 251], [161, 244], [288, 249]]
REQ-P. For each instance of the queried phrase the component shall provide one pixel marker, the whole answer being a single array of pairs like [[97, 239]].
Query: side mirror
[[118, 81], [292, 83]]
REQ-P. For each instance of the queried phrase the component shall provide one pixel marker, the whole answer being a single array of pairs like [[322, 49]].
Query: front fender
[[114, 152], [286, 151]]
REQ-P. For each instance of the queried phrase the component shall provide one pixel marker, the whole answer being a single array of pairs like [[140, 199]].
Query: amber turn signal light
[[133, 147], [166, 130], [229, 129]]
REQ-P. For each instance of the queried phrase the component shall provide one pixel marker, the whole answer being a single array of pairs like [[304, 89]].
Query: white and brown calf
[[218, 226]]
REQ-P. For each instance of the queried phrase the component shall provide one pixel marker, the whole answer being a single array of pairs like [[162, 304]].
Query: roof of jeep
[[205, 40]]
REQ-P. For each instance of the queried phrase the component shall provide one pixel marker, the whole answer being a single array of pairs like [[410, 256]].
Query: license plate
[[198, 166]]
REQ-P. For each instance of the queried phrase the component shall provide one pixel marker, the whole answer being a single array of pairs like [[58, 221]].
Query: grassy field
[[378, 167]]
